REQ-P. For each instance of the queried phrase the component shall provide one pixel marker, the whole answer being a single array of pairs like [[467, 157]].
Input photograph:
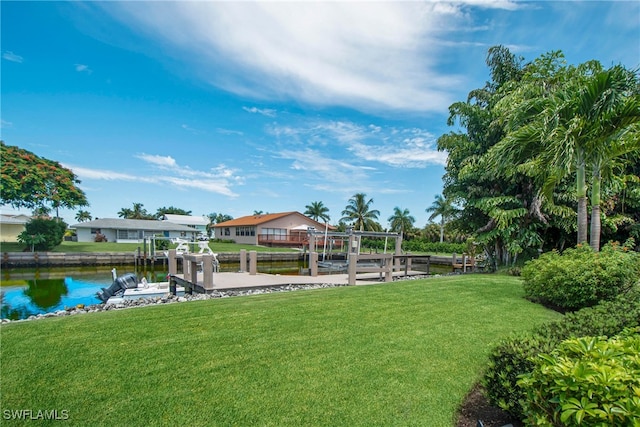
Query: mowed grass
[[397, 354]]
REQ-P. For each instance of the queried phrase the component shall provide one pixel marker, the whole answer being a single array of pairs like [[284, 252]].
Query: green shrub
[[581, 277], [43, 234], [586, 382], [511, 358], [419, 245]]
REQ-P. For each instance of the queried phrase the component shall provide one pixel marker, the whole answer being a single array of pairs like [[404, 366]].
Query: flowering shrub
[[581, 277]]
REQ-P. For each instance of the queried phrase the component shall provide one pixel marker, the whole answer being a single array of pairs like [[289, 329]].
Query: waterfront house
[[131, 230], [199, 223], [11, 225], [278, 229]]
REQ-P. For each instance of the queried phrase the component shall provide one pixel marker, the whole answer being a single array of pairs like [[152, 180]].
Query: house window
[[245, 231], [127, 234], [274, 234], [227, 232], [95, 231]]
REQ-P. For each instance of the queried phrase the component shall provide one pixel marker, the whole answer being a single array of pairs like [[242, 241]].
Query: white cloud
[[219, 179], [371, 56], [387, 145], [191, 130], [4, 124], [264, 111], [81, 68], [162, 161], [10, 56]]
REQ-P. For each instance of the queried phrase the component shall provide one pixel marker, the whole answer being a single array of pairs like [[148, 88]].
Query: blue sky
[[236, 107]]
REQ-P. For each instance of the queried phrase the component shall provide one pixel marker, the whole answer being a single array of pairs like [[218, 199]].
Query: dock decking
[[244, 280]]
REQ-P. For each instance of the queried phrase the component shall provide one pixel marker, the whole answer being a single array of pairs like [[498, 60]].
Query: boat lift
[[375, 263]]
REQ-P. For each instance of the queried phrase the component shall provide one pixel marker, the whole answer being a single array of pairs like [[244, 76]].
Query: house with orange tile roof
[[277, 229]]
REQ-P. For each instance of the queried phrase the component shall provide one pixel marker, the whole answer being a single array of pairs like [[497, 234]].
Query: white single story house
[[199, 223], [277, 229], [131, 230], [11, 225]]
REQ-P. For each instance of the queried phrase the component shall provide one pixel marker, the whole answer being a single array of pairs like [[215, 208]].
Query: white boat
[[127, 287]]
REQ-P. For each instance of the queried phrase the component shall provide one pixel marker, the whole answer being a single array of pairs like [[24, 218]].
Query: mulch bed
[[476, 407]]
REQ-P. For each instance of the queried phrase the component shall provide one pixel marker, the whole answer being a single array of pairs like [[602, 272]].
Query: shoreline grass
[[404, 353]]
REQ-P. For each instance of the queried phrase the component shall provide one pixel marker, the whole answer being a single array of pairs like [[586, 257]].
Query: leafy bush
[[43, 234], [586, 381], [581, 277], [511, 358], [418, 245]]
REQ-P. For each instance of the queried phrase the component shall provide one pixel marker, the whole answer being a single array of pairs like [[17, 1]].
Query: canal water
[[27, 291]]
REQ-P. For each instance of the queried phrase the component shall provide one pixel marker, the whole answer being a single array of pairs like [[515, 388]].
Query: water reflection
[[24, 297], [46, 293]]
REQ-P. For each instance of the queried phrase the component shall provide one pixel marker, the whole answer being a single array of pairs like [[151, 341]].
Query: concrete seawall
[[64, 259]]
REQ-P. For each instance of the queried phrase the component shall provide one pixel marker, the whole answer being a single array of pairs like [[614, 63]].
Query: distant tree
[[216, 218], [29, 181], [171, 211], [317, 211], [138, 212], [42, 212], [358, 211], [444, 209], [43, 234], [83, 216], [258, 212], [401, 221]]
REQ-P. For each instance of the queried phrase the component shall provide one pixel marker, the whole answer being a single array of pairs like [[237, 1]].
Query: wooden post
[[243, 260], [398, 252], [388, 274], [253, 262], [313, 264], [207, 271], [353, 262], [194, 270], [173, 262]]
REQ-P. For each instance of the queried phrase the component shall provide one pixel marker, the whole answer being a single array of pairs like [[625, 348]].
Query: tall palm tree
[[401, 221], [317, 211], [83, 216], [138, 212], [359, 213], [585, 126], [614, 117], [444, 209]]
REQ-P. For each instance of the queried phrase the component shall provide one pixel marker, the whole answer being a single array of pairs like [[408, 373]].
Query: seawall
[[64, 259]]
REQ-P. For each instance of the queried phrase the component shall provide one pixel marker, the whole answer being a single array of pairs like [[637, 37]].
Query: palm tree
[[444, 209], [317, 211], [138, 212], [83, 216], [359, 213], [401, 221], [615, 118], [588, 124]]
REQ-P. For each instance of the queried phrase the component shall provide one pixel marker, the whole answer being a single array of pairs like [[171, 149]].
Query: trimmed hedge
[[581, 277], [513, 355]]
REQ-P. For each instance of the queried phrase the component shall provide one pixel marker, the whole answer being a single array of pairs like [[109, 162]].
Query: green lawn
[[131, 247], [403, 353]]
